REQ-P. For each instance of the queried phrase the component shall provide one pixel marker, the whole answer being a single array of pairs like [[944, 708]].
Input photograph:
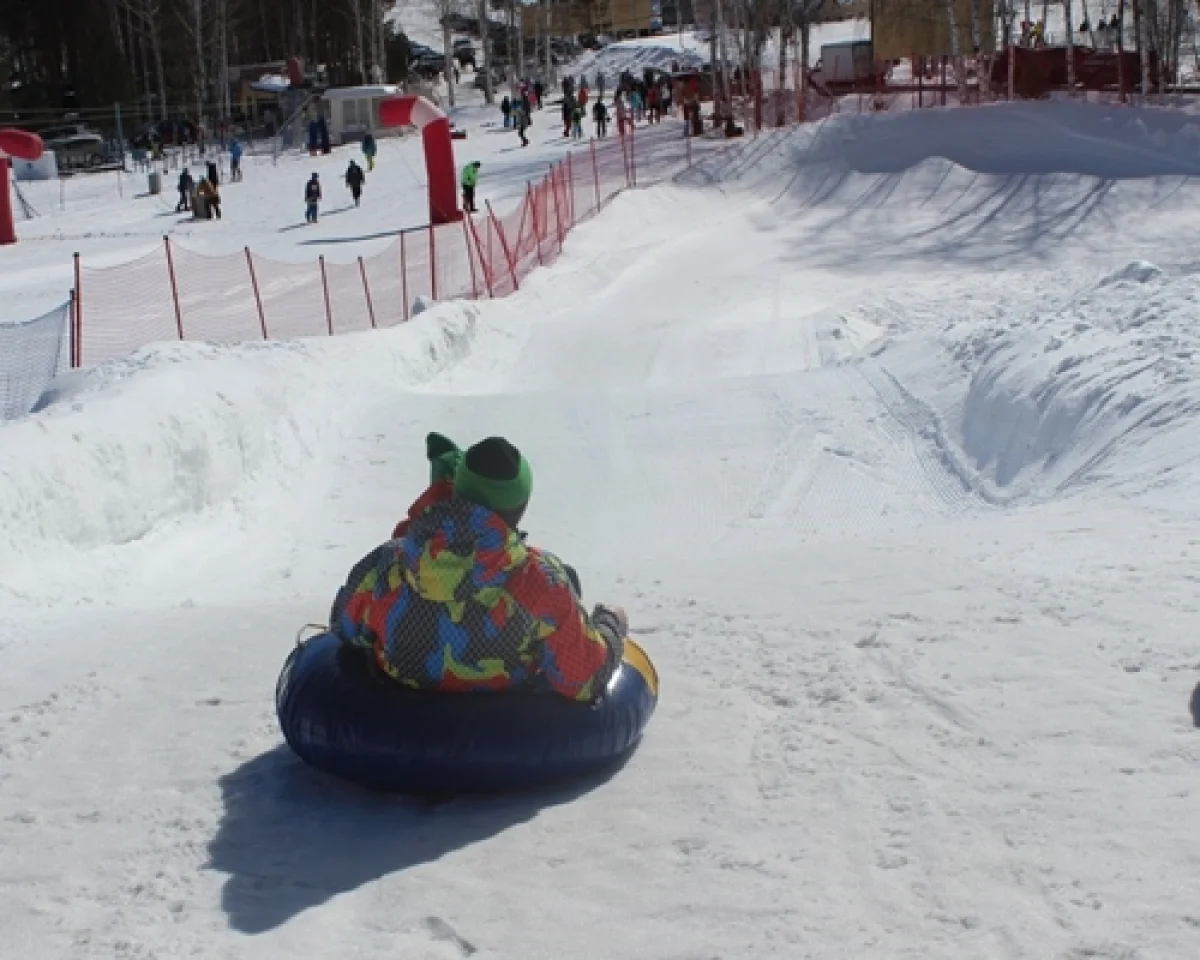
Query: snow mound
[[634, 56], [1139, 271], [1101, 390], [929, 158], [1024, 138], [122, 450]]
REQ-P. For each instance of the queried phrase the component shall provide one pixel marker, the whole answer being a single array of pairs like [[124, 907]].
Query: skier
[[369, 149], [355, 178], [506, 109], [235, 160], [463, 571], [312, 198], [185, 187], [470, 179]]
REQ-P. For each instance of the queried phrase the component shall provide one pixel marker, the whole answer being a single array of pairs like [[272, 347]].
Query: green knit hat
[[493, 474], [443, 455]]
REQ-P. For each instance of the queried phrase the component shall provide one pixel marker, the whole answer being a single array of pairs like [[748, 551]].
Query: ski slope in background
[[885, 434]]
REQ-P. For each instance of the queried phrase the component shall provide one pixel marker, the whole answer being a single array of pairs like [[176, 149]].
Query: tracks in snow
[[856, 452]]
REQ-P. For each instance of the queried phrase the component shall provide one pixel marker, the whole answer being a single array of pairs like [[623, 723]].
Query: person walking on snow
[[600, 116], [506, 109], [235, 161], [457, 602], [355, 178], [369, 149], [312, 198], [470, 180], [521, 118], [185, 187]]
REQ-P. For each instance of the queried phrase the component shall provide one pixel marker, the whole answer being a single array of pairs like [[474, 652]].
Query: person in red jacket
[[457, 601]]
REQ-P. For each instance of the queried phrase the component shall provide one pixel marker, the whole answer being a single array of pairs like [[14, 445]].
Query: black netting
[[32, 354]]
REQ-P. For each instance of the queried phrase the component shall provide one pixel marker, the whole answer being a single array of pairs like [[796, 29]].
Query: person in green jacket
[[470, 178]]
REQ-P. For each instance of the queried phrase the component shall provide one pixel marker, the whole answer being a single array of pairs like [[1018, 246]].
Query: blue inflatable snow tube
[[342, 716]]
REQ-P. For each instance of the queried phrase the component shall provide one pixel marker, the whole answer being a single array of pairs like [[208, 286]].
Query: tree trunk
[[1069, 25], [1139, 29], [156, 47], [448, 51], [781, 77], [489, 95]]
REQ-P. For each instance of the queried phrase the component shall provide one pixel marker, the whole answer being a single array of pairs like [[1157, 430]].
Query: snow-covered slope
[[881, 432]]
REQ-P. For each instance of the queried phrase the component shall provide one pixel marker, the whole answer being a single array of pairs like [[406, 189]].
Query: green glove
[[443, 455]]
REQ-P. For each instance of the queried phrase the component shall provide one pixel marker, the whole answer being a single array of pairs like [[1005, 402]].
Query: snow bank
[[1102, 388], [1026, 138], [931, 158], [175, 430], [1099, 389]]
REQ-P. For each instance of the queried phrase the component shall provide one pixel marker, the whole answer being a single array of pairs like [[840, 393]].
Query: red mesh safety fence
[[348, 309], [452, 263], [385, 281], [174, 293], [293, 298], [419, 251], [124, 308], [215, 297]]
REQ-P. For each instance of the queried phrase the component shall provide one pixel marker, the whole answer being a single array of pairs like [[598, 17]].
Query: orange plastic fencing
[[172, 293]]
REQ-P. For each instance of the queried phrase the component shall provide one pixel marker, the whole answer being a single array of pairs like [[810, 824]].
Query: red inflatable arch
[[412, 111], [23, 146]]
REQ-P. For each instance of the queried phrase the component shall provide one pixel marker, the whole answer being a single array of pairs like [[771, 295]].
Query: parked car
[[464, 52], [74, 145]]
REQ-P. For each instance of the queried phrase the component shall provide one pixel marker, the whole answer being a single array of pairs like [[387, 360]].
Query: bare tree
[[485, 33], [194, 16], [145, 19]]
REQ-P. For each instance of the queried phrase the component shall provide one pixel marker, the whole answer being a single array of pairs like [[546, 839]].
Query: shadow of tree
[[292, 838]]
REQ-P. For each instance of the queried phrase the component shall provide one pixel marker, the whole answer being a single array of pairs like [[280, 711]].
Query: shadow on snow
[[292, 838]]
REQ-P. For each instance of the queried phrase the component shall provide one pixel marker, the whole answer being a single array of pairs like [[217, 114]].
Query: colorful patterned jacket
[[457, 602]]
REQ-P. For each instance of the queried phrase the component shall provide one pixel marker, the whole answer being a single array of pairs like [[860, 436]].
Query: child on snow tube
[[458, 602]]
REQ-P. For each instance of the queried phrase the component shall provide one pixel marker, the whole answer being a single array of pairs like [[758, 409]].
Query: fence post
[[557, 206], [512, 267], [520, 232], [537, 234], [632, 157], [596, 176], [403, 276], [77, 318], [70, 330], [325, 286], [432, 262], [487, 273], [570, 193], [262, 317], [174, 286], [470, 259], [367, 290]]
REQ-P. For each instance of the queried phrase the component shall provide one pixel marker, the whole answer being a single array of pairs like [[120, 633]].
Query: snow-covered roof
[[369, 90]]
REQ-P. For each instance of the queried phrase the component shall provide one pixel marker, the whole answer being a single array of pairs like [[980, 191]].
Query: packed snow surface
[[885, 433]]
